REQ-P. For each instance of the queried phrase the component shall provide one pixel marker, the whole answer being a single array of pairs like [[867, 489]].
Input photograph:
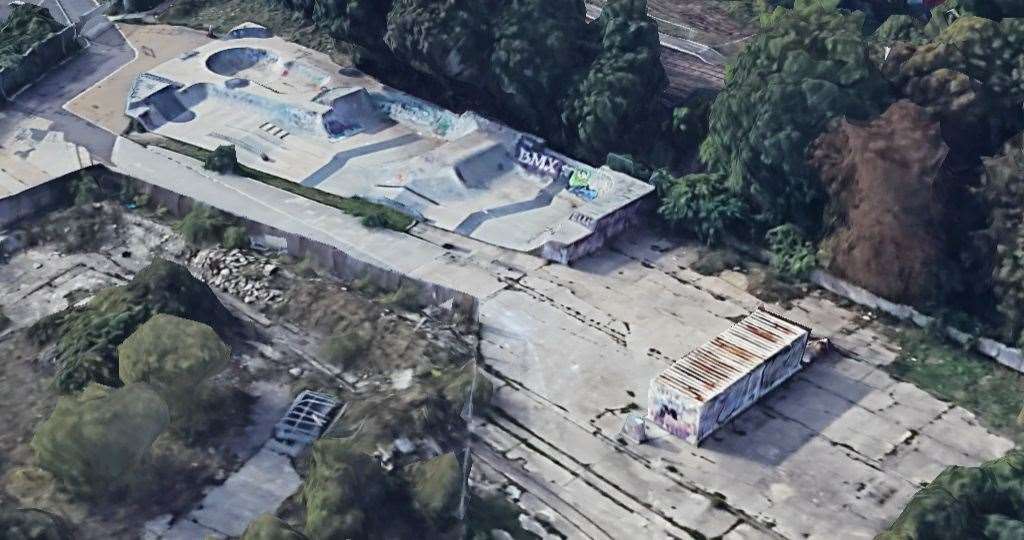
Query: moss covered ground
[[995, 394]]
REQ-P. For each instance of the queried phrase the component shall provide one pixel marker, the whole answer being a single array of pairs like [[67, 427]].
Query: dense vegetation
[[984, 502], [26, 26], [829, 109], [87, 338], [537, 65]]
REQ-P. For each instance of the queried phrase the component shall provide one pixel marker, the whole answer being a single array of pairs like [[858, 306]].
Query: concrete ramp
[[351, 113], [480, 169]]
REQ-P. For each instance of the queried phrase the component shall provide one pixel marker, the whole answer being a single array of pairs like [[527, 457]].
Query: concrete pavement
[[834, 453]]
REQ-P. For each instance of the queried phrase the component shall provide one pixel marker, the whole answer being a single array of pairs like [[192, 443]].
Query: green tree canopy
[[175, 357], [539, 47], [616, 97], [449, 39], [87, 339], [95, 441], [984, 502], [809, 65]]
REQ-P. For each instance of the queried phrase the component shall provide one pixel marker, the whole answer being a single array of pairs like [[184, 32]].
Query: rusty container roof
[[714, 366]]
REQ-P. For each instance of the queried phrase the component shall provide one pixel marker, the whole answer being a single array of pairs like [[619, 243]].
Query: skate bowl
[[267, 67], [202, 98]]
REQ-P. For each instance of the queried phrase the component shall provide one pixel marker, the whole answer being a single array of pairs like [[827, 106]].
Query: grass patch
[[372, 214], [992, 392]]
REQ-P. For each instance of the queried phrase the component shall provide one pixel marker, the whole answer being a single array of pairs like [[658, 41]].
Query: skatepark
[[291, 113]]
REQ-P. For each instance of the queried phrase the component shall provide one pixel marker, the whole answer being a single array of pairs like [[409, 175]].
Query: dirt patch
[[889, 200]]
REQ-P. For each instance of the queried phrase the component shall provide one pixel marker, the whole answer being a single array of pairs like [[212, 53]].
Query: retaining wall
[[37, 60], [55, 195], [329, 258]]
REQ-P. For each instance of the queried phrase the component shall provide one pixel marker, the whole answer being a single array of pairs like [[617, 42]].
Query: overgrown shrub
[[203, 225], [268, 527], [85, 189], [87, 338], [984, 502], [235, 237], [791, 255], [95, 442], [223, 160], [176, 357], [702, 204], [33, 524], [437, 486], [344, 349]]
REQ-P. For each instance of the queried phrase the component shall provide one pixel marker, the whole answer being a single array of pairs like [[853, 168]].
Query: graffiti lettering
[[537, 162]]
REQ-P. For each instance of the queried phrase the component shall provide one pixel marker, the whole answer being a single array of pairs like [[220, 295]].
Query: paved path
[[834, 453]]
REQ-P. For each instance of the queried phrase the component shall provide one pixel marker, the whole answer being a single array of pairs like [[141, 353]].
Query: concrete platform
[[292, 113], [830, 454]]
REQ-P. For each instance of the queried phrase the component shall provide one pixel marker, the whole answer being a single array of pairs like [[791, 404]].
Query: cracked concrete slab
[[831, 454]]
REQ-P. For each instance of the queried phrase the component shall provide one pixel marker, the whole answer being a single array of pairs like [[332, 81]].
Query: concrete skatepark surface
[[291, 113], [834, 453]]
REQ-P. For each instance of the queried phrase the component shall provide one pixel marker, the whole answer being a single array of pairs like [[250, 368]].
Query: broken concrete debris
[[243, 274]]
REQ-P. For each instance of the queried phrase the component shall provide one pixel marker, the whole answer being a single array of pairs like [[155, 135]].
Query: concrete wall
[[37, 60], [54, 195], [327, 257], [36, 201]]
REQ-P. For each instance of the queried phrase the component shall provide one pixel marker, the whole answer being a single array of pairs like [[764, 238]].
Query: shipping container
[[709, 386]]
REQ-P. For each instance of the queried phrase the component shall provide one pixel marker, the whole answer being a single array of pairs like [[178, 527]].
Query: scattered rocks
[[244, 275]]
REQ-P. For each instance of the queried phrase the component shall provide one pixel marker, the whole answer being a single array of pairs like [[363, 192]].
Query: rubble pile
[[244, 275]]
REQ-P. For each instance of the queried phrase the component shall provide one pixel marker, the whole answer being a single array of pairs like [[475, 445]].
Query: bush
[[87, 339], [223, 160], [702, 204], [85, 189], [984, 502], [33, 524], [268, 527], [95, 442], [203, 225], [791, 255], [344, 349], [235, 237], [346, 493], [175, 357], [437, 486]]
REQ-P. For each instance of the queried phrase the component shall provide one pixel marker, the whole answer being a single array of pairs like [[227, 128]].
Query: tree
[[614, 97], [362, 22], [807, 67], [449, 39], [175, 357], [539, 47], [95, 442], [984, 502], [1002, 241], [87, 339], [968, 78], [702, 204]]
